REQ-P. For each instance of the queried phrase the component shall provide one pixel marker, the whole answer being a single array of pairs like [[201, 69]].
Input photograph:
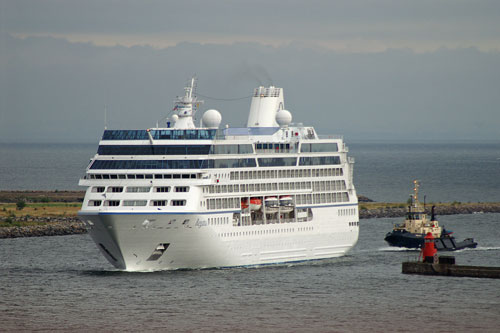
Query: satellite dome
[[211, 118], [283, 117], [174, 118]]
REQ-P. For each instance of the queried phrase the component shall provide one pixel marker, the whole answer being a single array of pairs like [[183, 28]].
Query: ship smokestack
[[266, 102]]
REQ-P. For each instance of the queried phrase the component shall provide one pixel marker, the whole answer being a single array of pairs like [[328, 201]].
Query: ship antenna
[[415, 189], [409, 207], [105, 117]]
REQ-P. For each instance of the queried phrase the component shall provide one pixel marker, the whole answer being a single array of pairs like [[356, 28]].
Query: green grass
[[20, 224]]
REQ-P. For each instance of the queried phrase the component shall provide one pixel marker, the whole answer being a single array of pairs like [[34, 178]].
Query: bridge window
[[319, 147]]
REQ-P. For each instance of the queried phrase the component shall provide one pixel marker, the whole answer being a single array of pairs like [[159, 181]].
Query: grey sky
[[366, 69]]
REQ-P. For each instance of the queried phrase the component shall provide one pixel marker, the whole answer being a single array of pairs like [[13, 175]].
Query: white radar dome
[[283, 117], [174, 118], [211, 118]]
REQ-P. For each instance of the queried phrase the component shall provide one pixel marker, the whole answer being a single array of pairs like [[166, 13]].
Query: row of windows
[[231, 149], [326, 185], [321, 198], [298, 173], [136, 203], [218, 220], [322, 147], [223, 203], [275, 147], [319, 160], [174, 149], [354, 224], [346, 212], [212, 164], [299, 199], [277, 161], [263, 232], [168, 134], [173, 164], [139, 189], [143, 176], [203, 134], [329, 185]]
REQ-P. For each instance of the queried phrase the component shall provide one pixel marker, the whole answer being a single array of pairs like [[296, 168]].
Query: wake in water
[[481, 248], [397, 249]]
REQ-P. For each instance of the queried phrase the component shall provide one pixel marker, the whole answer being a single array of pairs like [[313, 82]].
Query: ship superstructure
[[197, 197]]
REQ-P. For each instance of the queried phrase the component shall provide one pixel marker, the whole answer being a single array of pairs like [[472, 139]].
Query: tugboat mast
[[415, 192]]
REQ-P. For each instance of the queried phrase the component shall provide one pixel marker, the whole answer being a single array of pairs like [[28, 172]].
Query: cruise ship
[[187, 197]]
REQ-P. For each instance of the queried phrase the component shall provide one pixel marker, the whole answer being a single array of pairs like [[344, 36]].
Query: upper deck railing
[[331, 136], [233, 133]]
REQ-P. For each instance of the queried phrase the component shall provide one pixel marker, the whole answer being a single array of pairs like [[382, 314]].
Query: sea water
[[64, 283]]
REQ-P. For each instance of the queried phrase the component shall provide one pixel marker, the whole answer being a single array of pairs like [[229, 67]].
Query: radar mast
[[186, 106]]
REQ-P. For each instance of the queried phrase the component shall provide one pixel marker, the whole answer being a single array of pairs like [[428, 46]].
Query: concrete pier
[[446, 269]]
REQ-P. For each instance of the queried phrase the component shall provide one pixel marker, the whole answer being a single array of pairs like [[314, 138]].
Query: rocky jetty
[[441, 209], [45, 226]]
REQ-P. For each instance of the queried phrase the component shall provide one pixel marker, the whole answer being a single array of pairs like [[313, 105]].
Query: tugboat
[[411, 234]]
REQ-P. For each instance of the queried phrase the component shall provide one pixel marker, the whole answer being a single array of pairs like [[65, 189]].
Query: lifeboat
[[272, 204], [255, 204], [286, 204]]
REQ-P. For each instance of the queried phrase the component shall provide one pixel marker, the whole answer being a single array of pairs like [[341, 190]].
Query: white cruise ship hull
[[152, 241]]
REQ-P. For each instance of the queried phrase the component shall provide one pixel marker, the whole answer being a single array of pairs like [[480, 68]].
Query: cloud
[[359, 26], [55, 90]]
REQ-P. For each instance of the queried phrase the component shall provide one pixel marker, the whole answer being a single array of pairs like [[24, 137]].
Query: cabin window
[[138, 189], [115, 189], [135, 202]]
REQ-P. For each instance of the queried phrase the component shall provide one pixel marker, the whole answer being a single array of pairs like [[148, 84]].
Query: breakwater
[[44, 226], [450, 270], [441, 209]]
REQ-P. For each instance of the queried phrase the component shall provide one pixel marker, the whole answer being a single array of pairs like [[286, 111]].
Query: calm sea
[[63, 283]]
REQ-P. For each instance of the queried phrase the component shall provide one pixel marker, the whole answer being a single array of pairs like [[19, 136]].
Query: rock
[[48, 229]]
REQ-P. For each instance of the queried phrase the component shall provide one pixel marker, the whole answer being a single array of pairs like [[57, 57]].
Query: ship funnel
[[266, 102]]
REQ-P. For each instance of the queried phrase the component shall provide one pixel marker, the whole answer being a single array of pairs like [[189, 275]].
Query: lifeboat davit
[[286, 204], [272, 204], [255, 204]]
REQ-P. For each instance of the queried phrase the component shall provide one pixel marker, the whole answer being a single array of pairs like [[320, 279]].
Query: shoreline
[[39, 222]]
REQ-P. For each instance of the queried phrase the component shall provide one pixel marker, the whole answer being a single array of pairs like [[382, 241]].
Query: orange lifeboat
[[255, 204]]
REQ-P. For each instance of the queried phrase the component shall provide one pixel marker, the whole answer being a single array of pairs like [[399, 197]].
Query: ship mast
[[416, 204], [185, 107]]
